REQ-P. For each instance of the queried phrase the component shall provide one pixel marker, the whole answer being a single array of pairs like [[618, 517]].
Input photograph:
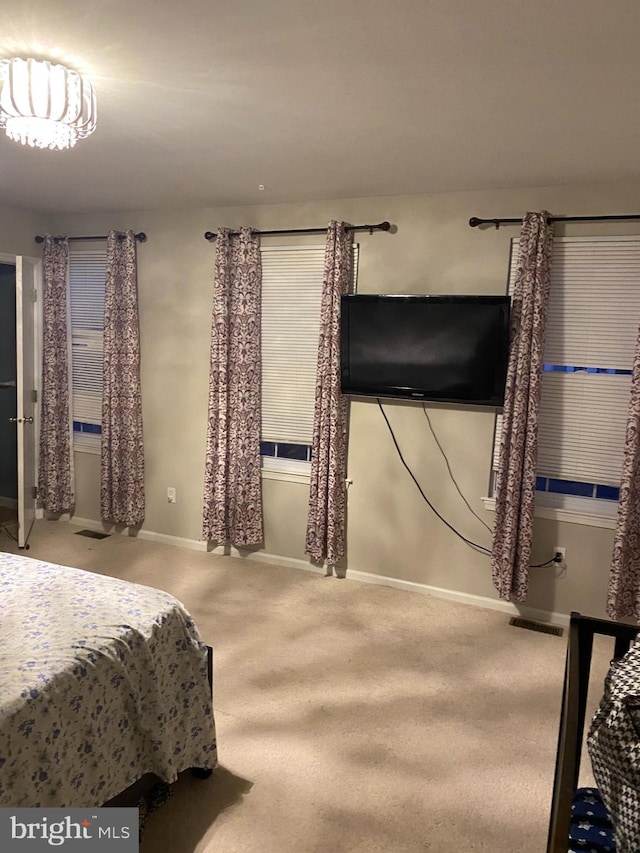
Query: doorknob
[[13, 420], [27, 420], [20, 420]]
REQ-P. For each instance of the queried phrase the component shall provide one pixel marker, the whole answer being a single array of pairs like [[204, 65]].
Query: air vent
[[535, 626], [92, 534]]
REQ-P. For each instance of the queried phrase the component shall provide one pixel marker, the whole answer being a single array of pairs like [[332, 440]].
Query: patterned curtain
[[516, 476], [326, 526], [122, 459], [624, 578], [232, 490], [55, 475]]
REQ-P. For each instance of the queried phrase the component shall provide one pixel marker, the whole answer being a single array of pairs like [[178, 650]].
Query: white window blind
[[291, 294], [582, 427], [593, 319], [86, 295]]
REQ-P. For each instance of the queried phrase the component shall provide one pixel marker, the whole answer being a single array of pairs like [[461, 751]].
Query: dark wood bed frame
[[200, 772], [582, 630]]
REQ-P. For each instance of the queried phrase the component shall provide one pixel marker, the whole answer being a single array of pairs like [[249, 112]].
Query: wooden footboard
[[210, 668], [199, 772], [582, 630]]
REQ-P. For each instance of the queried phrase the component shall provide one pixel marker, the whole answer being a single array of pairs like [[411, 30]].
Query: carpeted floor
[[350, 717], [8, 516]]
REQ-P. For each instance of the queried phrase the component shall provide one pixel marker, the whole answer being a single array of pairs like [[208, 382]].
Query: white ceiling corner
[[199, 102]]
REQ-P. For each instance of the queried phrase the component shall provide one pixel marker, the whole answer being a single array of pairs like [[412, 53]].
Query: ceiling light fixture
[[45, 105]]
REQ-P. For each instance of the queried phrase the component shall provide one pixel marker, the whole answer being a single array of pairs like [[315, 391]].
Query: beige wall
[[391, 531], [18, 229]]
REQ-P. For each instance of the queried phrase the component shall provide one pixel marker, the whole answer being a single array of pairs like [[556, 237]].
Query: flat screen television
[[449, 349]]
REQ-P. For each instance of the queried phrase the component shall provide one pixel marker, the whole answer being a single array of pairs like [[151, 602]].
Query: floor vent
[[536, 626], [92, 534]]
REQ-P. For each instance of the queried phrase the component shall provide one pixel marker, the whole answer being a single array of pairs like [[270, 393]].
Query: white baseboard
[[546, 616], [10, 503], [509, 607], [264, 557], [150, 535]]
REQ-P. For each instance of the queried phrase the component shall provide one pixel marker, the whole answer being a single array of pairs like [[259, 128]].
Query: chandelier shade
[[45, 105]]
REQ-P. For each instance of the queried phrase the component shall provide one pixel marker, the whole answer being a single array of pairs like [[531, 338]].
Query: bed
[[101, 682]]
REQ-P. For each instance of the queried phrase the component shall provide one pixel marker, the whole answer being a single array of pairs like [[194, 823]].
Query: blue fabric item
[[591, 828]]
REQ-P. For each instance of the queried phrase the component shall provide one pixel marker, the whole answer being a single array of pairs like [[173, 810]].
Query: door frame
[[10, 260]]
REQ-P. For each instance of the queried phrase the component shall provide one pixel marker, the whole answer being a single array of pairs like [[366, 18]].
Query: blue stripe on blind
[[92, 429], [577, 488], [286, 450], [569, 368]]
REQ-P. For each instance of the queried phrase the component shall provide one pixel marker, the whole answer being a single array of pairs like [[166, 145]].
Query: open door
[[26, 394]]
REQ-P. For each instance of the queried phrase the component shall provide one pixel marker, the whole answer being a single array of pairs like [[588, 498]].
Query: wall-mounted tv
[[449, 349]]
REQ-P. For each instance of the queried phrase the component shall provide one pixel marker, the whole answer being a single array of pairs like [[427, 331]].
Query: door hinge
[[34, 492], [34, 396], [35, 295]]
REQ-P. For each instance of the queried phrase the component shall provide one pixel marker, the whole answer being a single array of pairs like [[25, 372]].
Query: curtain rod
[[381, 226], [474, 221], [141, 237]]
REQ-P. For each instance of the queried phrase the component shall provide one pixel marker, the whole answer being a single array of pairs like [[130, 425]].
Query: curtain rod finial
[[474, 222], [381, 226]]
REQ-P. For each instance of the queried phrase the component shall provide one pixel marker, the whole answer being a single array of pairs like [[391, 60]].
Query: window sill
[[561, 508]]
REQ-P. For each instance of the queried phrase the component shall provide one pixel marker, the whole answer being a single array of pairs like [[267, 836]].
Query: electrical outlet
[[171, 494], [560, 556]]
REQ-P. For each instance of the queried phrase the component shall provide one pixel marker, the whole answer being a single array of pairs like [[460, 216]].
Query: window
[[592, 327], [291, 294], [86, 297]]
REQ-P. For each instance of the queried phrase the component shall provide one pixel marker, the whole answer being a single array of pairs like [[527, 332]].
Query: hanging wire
[[8, 533], [453, 479], [481, 548], [424, 497]]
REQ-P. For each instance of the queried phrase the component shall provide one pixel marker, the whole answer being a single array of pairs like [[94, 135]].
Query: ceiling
[[202, 101]]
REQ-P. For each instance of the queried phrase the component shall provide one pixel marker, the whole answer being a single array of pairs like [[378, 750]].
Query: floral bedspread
[[101, 681]]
